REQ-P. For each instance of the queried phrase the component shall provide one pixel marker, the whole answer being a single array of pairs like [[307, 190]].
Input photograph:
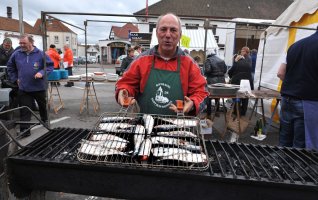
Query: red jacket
[[55, 57], [68, 57], [136, 76]]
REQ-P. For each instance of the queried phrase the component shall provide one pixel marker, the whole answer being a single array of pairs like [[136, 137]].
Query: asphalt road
[[70, 116]]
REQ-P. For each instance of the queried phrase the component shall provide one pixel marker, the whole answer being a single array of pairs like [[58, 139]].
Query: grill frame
[[27, 173]]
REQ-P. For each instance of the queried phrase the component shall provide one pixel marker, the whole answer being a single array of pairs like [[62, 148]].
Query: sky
[[95, 30]]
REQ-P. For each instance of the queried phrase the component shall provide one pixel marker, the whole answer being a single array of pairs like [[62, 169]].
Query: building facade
[[59, 35]]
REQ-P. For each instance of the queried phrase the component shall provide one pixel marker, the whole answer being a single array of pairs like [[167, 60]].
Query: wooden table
[[255, 94]]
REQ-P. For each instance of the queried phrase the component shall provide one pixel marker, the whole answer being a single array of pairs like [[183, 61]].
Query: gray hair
[[161, 16], [30, 37], [7, 40]]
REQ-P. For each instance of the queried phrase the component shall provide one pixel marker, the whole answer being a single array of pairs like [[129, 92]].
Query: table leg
[[272, 116], [56, 108], [238, 115], [254, 107], [89, 95]]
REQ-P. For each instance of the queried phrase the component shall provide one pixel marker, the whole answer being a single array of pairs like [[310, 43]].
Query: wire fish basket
[[148, 141]]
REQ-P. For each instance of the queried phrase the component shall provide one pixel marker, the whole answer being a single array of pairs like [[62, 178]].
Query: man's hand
[[238, 57], [124, 99], [187, 106], [38, 75]]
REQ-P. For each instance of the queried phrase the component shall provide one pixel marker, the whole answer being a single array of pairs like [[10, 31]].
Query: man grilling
[[164, 74]]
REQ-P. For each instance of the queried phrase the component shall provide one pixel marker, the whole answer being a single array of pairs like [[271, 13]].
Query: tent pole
[[86, 84], [260, 76], [206, 26]]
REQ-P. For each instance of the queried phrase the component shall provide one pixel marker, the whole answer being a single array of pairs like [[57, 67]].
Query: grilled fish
[[114, 127], [98, 150], [149, 123], [139, 129], [122, 128], [168, 151], [166, 127], [144, 150], [107, 137], [177, 134], [187, 157], [138, 139], [116, 119], [175, 141], [181, 122], [110, 144]]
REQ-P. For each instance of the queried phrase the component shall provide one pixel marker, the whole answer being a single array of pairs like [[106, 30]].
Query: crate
[[55, 75], [63, 73], [4, 96]]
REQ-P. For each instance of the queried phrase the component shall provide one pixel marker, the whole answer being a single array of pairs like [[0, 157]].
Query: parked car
[[79, 60], [92, 59], [118, 64]]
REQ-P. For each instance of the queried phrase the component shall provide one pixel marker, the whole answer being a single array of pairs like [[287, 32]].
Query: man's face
[[168, 34], [7, 46], [25, 44]]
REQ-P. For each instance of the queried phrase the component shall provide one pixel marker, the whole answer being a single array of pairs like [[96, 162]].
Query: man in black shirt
[[299, 105]]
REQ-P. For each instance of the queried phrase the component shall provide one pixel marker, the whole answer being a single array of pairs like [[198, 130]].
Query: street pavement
[[70, 116]]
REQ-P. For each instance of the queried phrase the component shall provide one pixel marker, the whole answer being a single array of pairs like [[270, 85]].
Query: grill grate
[[141, 140], [58, 144], [265, 163]]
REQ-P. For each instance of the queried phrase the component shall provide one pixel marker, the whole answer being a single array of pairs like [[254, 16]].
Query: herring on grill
[[143, 140]]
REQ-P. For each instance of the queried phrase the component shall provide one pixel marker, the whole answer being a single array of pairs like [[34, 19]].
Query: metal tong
[[180, 112]]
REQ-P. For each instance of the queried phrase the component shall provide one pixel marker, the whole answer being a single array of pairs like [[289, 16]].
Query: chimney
[[9, 12]]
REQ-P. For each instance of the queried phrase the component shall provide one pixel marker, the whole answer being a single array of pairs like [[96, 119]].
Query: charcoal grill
[[237, 171]]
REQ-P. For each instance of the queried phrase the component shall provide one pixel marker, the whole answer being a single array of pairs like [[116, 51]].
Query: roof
[[227, 9], [8, 24], [122, 32], [53, 26], [196, 39]]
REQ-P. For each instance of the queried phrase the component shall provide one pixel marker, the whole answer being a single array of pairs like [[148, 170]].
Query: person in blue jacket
[[26, 68]]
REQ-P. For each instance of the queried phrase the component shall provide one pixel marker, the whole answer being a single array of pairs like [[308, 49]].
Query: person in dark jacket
[[26, 68], [214, 70], [126, 61], [240, 70], [5, 51]]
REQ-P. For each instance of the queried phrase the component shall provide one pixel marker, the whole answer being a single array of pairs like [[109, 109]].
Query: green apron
[[162, 88]]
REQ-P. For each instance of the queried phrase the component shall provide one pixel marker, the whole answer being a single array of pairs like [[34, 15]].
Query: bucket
[[245, 86], [65, 64]]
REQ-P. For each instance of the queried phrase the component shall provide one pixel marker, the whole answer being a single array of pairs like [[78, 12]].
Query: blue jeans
[[292, 128]]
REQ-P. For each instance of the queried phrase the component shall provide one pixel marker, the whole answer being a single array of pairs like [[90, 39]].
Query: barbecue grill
[[240, 171]]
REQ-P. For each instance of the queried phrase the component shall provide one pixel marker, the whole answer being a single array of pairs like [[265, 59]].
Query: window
[[214, 27], [112, 36], [151, 27], [67, 38], [56, 39]]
